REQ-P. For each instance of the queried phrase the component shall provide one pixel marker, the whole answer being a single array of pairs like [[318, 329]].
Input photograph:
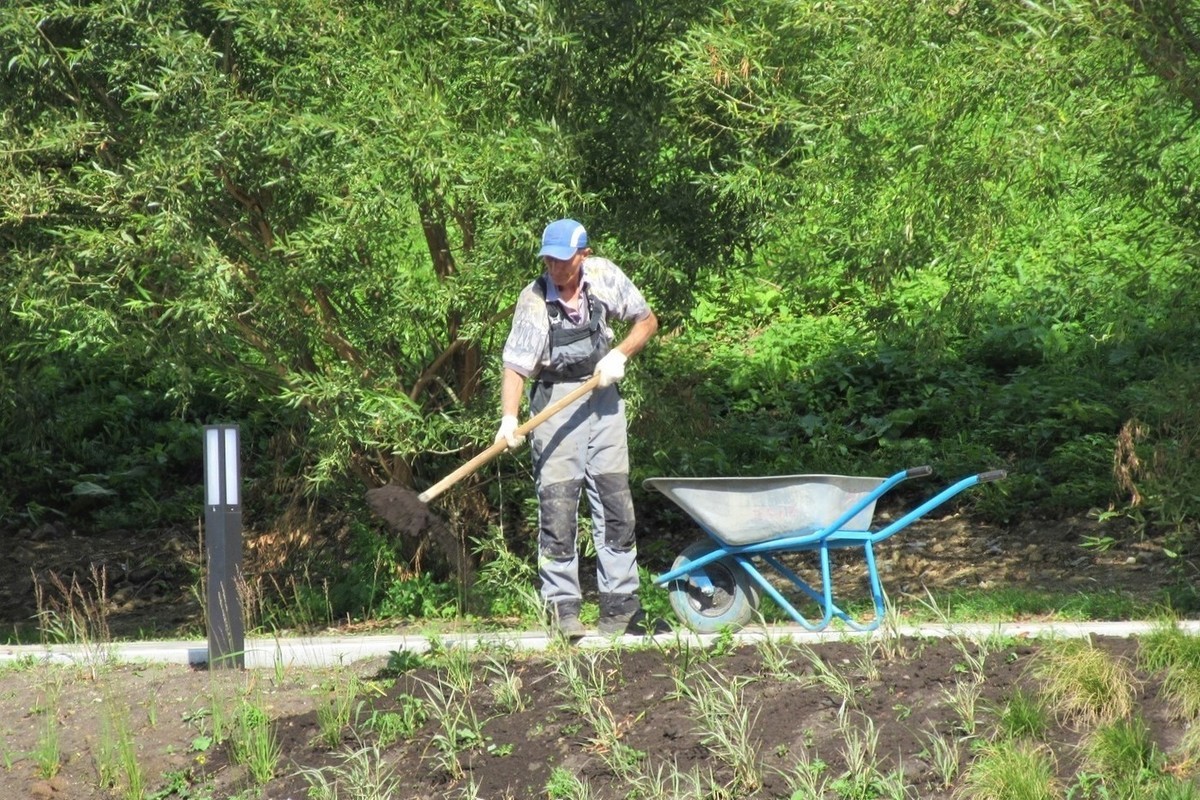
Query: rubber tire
[[731, 606]]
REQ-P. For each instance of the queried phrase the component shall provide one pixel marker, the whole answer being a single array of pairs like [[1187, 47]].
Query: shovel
[[500, 446]]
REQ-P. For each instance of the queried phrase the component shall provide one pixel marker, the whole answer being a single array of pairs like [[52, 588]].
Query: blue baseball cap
[[562, 238]]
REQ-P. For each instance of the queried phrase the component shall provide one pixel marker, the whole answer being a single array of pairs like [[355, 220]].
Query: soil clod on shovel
[[408, 513]]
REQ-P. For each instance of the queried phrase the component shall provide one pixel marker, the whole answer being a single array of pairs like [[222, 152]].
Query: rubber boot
[[621, 614], [564, 618]]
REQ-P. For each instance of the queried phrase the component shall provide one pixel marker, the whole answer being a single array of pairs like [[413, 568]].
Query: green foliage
[[1013, 770], [402, 661], [1022, 716], [563, 784], [1016, 602], [887, 234], [1125, 755], [1084, 684], [391, 726], [421, 596]]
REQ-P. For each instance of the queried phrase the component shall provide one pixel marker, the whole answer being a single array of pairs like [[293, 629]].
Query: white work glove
[[508, 432], [611, 368]]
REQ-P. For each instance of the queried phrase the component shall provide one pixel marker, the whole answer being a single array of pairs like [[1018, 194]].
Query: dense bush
[[879, 234]]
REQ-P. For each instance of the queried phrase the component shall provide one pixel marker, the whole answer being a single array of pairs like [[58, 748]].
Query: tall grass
[[725, 724], [1084, 684], [47, 753], [1023, 716], [70, 613], [253, 742], [362, 774], [1011, 770], [117, 763], [336, 703]]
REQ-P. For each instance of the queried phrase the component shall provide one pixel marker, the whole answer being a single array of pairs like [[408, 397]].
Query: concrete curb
[[338, 650]]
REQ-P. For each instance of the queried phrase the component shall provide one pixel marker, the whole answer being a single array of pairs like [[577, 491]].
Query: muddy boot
[[564, 619], [621, 614]]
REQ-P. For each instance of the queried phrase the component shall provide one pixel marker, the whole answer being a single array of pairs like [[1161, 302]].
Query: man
[[560, 336]]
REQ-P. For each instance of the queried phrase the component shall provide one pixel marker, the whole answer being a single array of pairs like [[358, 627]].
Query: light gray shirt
[[528, 347]]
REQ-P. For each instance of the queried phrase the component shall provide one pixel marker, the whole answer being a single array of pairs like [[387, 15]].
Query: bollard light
[[223, 546]]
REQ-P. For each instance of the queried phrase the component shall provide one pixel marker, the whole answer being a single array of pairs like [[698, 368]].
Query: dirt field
[[476, 740]]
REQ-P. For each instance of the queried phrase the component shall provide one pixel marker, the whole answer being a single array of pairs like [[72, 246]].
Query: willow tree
[[988, 255], [323, 211]]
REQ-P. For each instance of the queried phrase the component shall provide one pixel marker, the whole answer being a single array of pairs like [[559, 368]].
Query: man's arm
[[611, 368], [510, 403], [639, 333], [512, 386]]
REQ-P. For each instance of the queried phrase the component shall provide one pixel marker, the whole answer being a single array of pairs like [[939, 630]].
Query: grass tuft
[[1009, 770], [1022, 717], [1122, 752], [1084, 684], [362, 774]]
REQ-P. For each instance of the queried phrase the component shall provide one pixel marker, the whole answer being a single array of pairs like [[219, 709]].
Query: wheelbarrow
[[715, 583]]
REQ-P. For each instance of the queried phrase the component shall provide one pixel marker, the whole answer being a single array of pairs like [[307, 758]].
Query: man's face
[[561, 271]]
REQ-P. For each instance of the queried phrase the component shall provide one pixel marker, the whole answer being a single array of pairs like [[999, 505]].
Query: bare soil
[[905, 690]]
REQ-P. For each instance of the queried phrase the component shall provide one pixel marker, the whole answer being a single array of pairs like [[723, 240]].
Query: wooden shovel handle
[[500, 446]]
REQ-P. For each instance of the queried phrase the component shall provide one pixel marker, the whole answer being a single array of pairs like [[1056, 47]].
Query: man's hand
[[611, 368], [508, 432]]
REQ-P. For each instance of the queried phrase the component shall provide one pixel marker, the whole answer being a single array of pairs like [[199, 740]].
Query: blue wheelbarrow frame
[[689, 575]]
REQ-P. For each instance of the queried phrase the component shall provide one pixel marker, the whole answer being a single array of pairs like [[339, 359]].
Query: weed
[[723, 644], [391, 726], [252, 742], [47, 753], [116, 758], [505, 581], [807, 778], [564, 785], [400, 662], [337, 702], [69, 613]]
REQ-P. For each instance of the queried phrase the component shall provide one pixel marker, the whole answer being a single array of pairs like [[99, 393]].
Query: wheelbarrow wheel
[[731, 603]]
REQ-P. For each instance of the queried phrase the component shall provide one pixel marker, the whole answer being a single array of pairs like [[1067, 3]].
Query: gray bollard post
[[223, 546]]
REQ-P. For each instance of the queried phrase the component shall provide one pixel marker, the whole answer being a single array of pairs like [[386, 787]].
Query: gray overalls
[[584, 447]]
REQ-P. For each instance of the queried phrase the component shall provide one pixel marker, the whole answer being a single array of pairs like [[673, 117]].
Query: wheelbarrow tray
[[758, 519], [741, 511]]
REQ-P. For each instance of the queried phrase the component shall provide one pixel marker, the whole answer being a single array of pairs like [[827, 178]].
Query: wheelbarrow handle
[[992, 475], [918, 472], [500, 446]]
